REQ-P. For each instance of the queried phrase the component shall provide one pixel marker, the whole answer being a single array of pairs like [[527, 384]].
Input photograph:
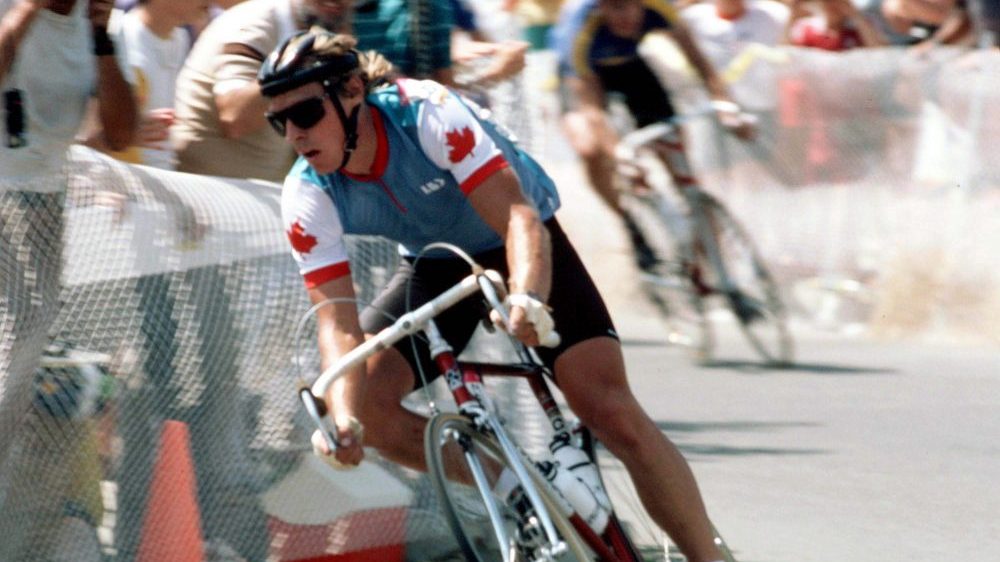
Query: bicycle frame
[[465, 381], [661, 139]]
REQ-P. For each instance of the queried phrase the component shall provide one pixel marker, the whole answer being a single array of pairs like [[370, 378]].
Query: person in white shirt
[[54, 56], [154, 46], [727, 30]]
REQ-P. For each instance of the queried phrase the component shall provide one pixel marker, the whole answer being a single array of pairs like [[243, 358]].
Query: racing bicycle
[[696, 251], [501, 504]]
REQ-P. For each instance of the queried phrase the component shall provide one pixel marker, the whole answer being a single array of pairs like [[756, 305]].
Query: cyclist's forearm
[[346, 394], [338, 332], [502, 205], [713, 82], [528, 253]]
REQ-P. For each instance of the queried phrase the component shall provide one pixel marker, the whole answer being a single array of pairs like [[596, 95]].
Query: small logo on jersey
[[432, 186], [438, 97], [461, 143], [302, 243]]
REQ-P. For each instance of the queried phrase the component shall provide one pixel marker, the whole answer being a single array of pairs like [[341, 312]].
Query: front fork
[[468, 391]]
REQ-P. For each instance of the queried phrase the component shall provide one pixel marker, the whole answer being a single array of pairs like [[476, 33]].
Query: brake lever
[[488, 284], [317, 411]]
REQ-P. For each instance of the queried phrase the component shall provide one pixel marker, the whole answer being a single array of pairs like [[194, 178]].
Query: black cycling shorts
[[646, 98], [577, 307]]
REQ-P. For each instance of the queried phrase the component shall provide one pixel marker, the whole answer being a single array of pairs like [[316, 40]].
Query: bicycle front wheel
[[750, 292], [463, 465]]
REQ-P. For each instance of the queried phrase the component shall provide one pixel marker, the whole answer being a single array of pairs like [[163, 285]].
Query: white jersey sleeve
[[314, 231], [452, 137]]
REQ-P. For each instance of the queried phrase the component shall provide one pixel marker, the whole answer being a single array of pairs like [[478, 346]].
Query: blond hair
[[374, 69]]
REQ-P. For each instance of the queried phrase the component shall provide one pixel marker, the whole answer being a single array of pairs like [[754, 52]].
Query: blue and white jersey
[[433, 150]]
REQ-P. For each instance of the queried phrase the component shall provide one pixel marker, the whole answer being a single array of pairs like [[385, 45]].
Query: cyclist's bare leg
[[591, 375], [592, 139], [394, 430], [391, 428]]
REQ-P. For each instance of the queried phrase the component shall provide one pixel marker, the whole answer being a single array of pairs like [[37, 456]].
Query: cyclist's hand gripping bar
[[493, 289]]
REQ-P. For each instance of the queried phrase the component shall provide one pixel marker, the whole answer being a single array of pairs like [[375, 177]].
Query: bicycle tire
[[463, 504], [666, 284], [755, 298], [651, 543], [645, 536]]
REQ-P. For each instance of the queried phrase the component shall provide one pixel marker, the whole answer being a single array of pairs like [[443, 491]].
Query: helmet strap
[[349, 124]]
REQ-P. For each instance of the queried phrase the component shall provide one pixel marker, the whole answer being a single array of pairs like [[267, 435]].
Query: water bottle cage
[[476, 412]]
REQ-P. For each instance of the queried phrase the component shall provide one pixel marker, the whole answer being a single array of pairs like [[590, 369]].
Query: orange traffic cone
[[171, 530]]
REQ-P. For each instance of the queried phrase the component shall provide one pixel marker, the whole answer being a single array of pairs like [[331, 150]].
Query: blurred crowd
[[191, 64], [172, 84]]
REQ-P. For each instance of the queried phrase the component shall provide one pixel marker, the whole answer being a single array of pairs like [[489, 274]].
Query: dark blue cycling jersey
[[587, 48]]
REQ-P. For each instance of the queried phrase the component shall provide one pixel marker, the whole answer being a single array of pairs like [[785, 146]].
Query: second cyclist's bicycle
[[700, 251]]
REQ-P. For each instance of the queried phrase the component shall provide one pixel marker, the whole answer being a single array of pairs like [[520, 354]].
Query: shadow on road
[[690, 450], [756, 367], [711, 450]]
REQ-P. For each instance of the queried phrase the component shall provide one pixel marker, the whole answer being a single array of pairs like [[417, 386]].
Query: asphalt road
[[864, 451]]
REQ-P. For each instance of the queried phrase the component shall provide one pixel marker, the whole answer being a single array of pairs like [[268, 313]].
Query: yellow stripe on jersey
[[585, 38], [583, 42], [663, 8]]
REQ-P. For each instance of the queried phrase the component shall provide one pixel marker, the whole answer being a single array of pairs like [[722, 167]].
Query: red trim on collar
[[381, 151]]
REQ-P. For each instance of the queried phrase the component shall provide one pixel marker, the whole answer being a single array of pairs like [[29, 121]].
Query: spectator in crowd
[[729, 33], [418, 44], [391, 28], [985, 16], [929, 22], [538, 17], [155, 46], [219, 127], [54, 56], [832, 25], [472, 46], [726, 28]]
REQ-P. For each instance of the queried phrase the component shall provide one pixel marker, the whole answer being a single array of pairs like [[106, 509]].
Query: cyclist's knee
[[389, 381], [585, 131], [592, 377], [616, 421]]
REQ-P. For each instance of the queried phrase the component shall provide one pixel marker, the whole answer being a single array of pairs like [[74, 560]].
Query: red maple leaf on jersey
[[302, 242], [461, 143]]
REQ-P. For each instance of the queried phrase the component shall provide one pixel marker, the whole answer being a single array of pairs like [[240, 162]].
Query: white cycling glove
[[538, 315], [321, 450]]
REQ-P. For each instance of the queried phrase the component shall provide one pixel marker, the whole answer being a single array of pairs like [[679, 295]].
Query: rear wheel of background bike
[[756, 300], [644, 535], [452, 436], [668, 286]]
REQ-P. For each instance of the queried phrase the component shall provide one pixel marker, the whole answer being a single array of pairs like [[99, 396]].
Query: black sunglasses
[[304, 114]]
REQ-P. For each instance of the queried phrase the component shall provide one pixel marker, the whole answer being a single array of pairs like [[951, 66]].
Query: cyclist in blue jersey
[[412, 161], [598, 46]]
